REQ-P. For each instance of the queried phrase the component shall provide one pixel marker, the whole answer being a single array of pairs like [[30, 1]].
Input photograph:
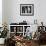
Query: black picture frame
[[26, 9]]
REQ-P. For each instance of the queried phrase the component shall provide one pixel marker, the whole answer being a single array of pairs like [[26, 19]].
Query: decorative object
[[35, 21], [4, 32], [28, 33], [26, 9]]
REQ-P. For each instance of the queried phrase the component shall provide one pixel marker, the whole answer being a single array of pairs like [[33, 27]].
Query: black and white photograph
[[27, 9]]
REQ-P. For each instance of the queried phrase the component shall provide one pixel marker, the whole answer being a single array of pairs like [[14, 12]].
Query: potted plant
[[3, 34]]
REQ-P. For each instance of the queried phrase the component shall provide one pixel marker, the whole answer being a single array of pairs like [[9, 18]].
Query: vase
[[2, 40]]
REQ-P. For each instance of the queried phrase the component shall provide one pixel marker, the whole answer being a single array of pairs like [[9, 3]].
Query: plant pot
[[2, 40]]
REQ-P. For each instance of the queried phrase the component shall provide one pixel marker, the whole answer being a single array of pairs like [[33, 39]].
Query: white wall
[[4, 11], [12, 11], [0, 13]]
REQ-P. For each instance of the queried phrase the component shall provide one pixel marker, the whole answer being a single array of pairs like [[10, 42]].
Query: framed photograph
[[26, 9]]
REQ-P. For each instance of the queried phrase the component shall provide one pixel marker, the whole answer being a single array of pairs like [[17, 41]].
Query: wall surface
[[4, 11], [12, 11], [0, 13]]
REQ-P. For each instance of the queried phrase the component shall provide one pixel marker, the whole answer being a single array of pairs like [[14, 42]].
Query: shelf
[[20, 29], [23, 25], [12, 32], [19, 32], [16, 32]]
